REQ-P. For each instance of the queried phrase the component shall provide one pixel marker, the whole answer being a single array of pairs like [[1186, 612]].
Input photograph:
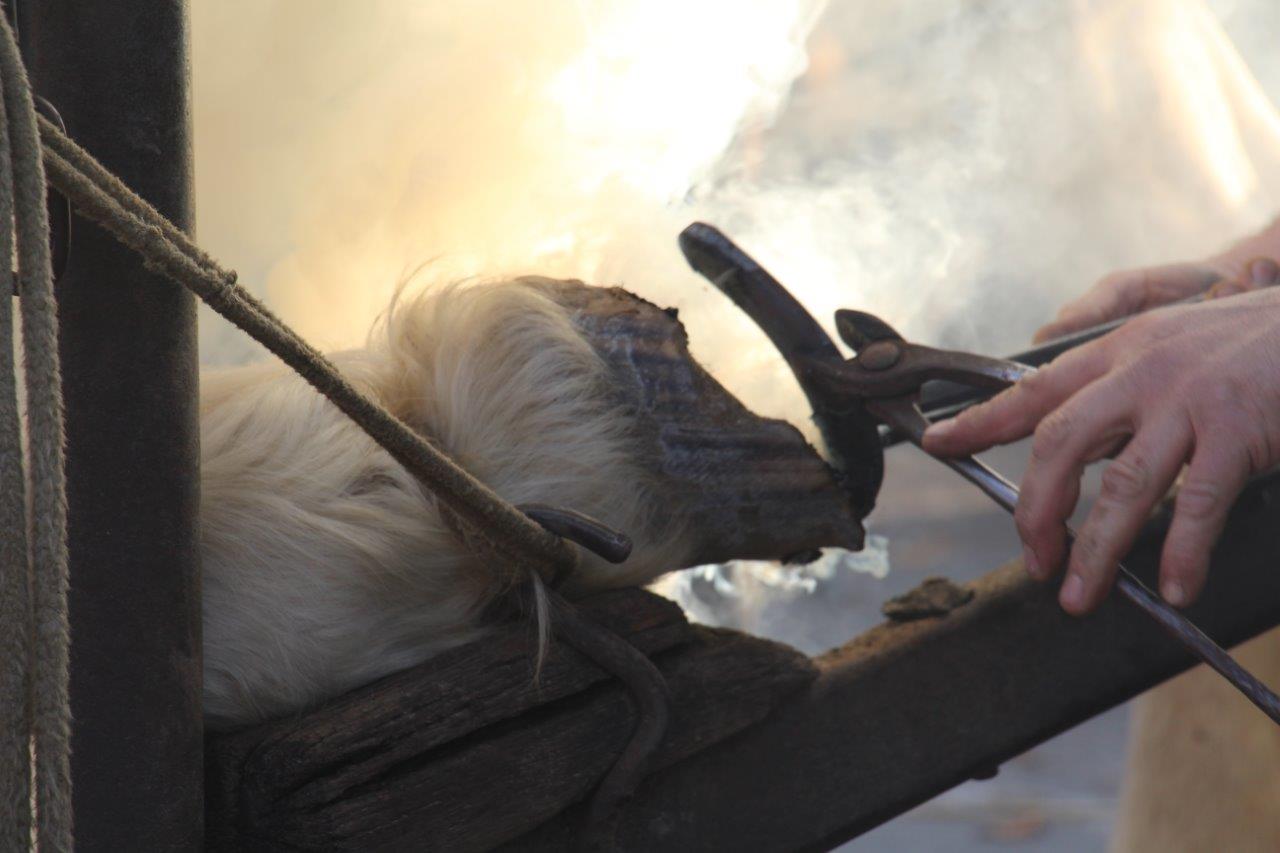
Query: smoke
[[957, 167], [342, 146]]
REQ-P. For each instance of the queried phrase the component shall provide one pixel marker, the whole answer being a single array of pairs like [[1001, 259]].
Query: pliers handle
[[882, 383]]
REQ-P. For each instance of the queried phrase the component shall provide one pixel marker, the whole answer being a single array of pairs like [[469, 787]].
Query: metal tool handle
[[1005, 493], [944, 399]]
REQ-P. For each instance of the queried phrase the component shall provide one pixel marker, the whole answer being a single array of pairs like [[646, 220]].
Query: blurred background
[[959, 167]]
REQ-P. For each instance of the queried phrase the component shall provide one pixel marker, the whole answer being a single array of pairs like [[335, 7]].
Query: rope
[[102, 197], [36, 714], [15, 590]]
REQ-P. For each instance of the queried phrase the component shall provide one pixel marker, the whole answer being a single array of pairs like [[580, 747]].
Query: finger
[[1215, 477], [1131, 486], [1107, 300], [1014, 413], [1259, 272], [1055, 542], [1126, 293], [1080, 431]]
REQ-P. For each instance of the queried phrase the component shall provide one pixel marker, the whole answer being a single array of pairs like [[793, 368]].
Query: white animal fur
[[326, 565]]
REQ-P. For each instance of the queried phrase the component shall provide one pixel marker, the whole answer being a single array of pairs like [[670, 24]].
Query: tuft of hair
[[327, 565]]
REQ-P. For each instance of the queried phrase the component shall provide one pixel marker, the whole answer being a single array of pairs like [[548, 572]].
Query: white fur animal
[[326, 565]]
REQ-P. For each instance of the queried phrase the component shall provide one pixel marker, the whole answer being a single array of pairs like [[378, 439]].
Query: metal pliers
[[853, 399]]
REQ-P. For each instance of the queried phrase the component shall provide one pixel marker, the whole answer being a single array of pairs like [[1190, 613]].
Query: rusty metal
[[595, 536], [944, 399], [850, 433], [891, 395]]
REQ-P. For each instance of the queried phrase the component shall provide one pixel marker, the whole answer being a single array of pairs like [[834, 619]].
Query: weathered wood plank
[[911, 709], [466, 752], [359, 735]]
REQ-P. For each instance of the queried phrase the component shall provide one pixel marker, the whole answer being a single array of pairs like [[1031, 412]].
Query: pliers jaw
[[882, 385], [850, 432]]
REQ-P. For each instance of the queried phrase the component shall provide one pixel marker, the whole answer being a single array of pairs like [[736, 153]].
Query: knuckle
[[1204, 389], [1126, 479], [1087, 553], [1225, 392], [1229, 406], [1052, 434], [1156, 368], [1199, 500], [1149, 330]]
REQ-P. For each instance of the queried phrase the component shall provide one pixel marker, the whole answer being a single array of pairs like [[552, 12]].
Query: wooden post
[[117, 71]]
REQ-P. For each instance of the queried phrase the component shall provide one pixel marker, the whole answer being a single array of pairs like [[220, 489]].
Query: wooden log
[[761, 755], [910, 709], [467, 751]]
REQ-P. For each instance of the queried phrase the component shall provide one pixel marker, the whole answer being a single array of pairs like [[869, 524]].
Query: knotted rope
[[34, 638], [512, 544]]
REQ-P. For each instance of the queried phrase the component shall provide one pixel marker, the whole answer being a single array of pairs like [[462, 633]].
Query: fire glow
[[958, 169]]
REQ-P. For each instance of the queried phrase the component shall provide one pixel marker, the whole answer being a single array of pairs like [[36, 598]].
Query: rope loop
[[35, 738]]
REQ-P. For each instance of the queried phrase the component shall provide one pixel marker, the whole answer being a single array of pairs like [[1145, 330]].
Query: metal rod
[[851, 436], [941, 399], [1005, 493]]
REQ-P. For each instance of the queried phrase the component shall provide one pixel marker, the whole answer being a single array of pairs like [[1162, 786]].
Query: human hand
[[1128, 292], [1191, 382]]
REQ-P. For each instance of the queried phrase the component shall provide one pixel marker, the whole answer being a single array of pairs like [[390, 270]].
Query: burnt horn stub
[[748, 487], [850, 433]]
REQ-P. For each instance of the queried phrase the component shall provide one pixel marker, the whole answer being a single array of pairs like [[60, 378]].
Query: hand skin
[[1189, 383], [1129, 292]]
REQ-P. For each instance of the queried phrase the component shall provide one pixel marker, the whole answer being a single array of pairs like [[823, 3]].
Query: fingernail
[[1073, 592], [1174, 593], [1264, 272], [1031, 565]]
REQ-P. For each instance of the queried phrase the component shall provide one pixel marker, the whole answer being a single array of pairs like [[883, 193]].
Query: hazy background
[[959, 167]]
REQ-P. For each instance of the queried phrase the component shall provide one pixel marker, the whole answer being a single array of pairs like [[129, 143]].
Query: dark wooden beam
[[768, 750], [909, 710], [470, 750]]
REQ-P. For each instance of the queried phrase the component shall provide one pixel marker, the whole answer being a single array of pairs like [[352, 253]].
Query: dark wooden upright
[[117, 71]]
